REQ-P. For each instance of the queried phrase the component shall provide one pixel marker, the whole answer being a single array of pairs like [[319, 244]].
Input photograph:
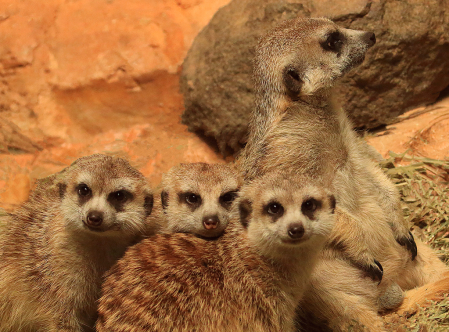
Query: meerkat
[[250, 279], [197, 198], [57, 245], [298, 126]]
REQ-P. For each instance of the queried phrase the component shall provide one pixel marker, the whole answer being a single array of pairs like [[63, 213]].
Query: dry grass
[[424, 187]]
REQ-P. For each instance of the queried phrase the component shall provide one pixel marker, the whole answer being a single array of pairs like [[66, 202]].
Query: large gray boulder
[[409, 65]]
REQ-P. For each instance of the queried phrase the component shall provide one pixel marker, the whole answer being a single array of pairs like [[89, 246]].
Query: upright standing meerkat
[[297, 126], [250, 279], [57, 245], [197, 198]]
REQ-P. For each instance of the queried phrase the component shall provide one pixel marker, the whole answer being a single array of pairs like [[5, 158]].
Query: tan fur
[[391, 299], [250, 279], [422, 296], [51, 261], [297, 126], [215, 186], [310, 133]]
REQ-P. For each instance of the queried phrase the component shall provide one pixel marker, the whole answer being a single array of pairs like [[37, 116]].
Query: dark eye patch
[[118, 199], [164, 199], [245, 210], [62, 188], [274, 209], [191, 199], [292, 81], [227, 198], [148, 204], [334, 42], [309, 206], [84, 193]]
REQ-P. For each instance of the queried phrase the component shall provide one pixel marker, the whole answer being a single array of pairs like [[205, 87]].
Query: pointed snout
[[94, 219], [369, 38], [296, 230], [211, 222]]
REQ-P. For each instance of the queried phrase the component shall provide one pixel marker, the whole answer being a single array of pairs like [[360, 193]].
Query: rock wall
[[86, 76]]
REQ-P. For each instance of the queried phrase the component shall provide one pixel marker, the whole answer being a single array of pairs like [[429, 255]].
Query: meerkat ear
[[148, 204], [62, 187], [164, 199], [292, 82], [332, 202], [245, 210]]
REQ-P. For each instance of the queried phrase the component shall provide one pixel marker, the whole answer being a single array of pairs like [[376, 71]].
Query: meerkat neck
[[271, 105], [293, 265], [102, 250], [295, 269]]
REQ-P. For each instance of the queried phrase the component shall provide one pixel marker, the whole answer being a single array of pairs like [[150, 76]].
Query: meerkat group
[[250, 279], [297, 125], [303, 233]]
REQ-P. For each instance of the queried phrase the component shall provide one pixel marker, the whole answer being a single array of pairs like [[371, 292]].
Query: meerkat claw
[[375, 272], [409, 243]]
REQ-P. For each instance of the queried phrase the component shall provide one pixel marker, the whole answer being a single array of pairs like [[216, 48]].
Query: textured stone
[[87, 76], [407, 67], [422, 132]]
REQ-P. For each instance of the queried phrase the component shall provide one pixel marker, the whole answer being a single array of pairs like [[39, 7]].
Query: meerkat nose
[[95, 218], [211, 222], [296, 230], [370, 38]]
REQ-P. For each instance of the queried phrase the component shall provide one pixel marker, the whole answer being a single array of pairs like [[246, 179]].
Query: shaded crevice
[[443, 93]]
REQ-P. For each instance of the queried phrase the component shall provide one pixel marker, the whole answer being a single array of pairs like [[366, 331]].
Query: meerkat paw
[[408, 241], [373, 270]]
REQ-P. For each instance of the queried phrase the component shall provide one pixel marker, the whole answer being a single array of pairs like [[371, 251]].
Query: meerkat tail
[[424, 295]]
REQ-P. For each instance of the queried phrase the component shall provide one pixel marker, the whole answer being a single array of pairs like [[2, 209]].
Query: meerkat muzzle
[[211, 222], [296, 231], [94, 219]]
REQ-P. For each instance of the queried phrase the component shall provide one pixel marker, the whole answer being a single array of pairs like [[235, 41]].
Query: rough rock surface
[[407, 67], [422, 132], [86, 76]]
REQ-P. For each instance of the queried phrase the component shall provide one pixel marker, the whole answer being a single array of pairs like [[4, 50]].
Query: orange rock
[[421, 132], [82, 77]]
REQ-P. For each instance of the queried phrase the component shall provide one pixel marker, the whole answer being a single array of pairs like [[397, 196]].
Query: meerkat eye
[[228, 197], [293, 74], [310, 205], [192, 198], [83, 190], [120, 196], [275, 208], [333, 42]]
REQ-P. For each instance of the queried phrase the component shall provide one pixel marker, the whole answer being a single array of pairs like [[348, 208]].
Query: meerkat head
[[197, 198], [106, 196], [282, 211], [302, 56]]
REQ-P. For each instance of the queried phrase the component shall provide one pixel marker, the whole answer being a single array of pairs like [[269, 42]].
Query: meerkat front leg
[[349, 237], [346, 304], [389, 201]]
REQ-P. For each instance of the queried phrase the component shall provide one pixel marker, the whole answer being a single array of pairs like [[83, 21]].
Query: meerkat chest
[[310, 145]]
